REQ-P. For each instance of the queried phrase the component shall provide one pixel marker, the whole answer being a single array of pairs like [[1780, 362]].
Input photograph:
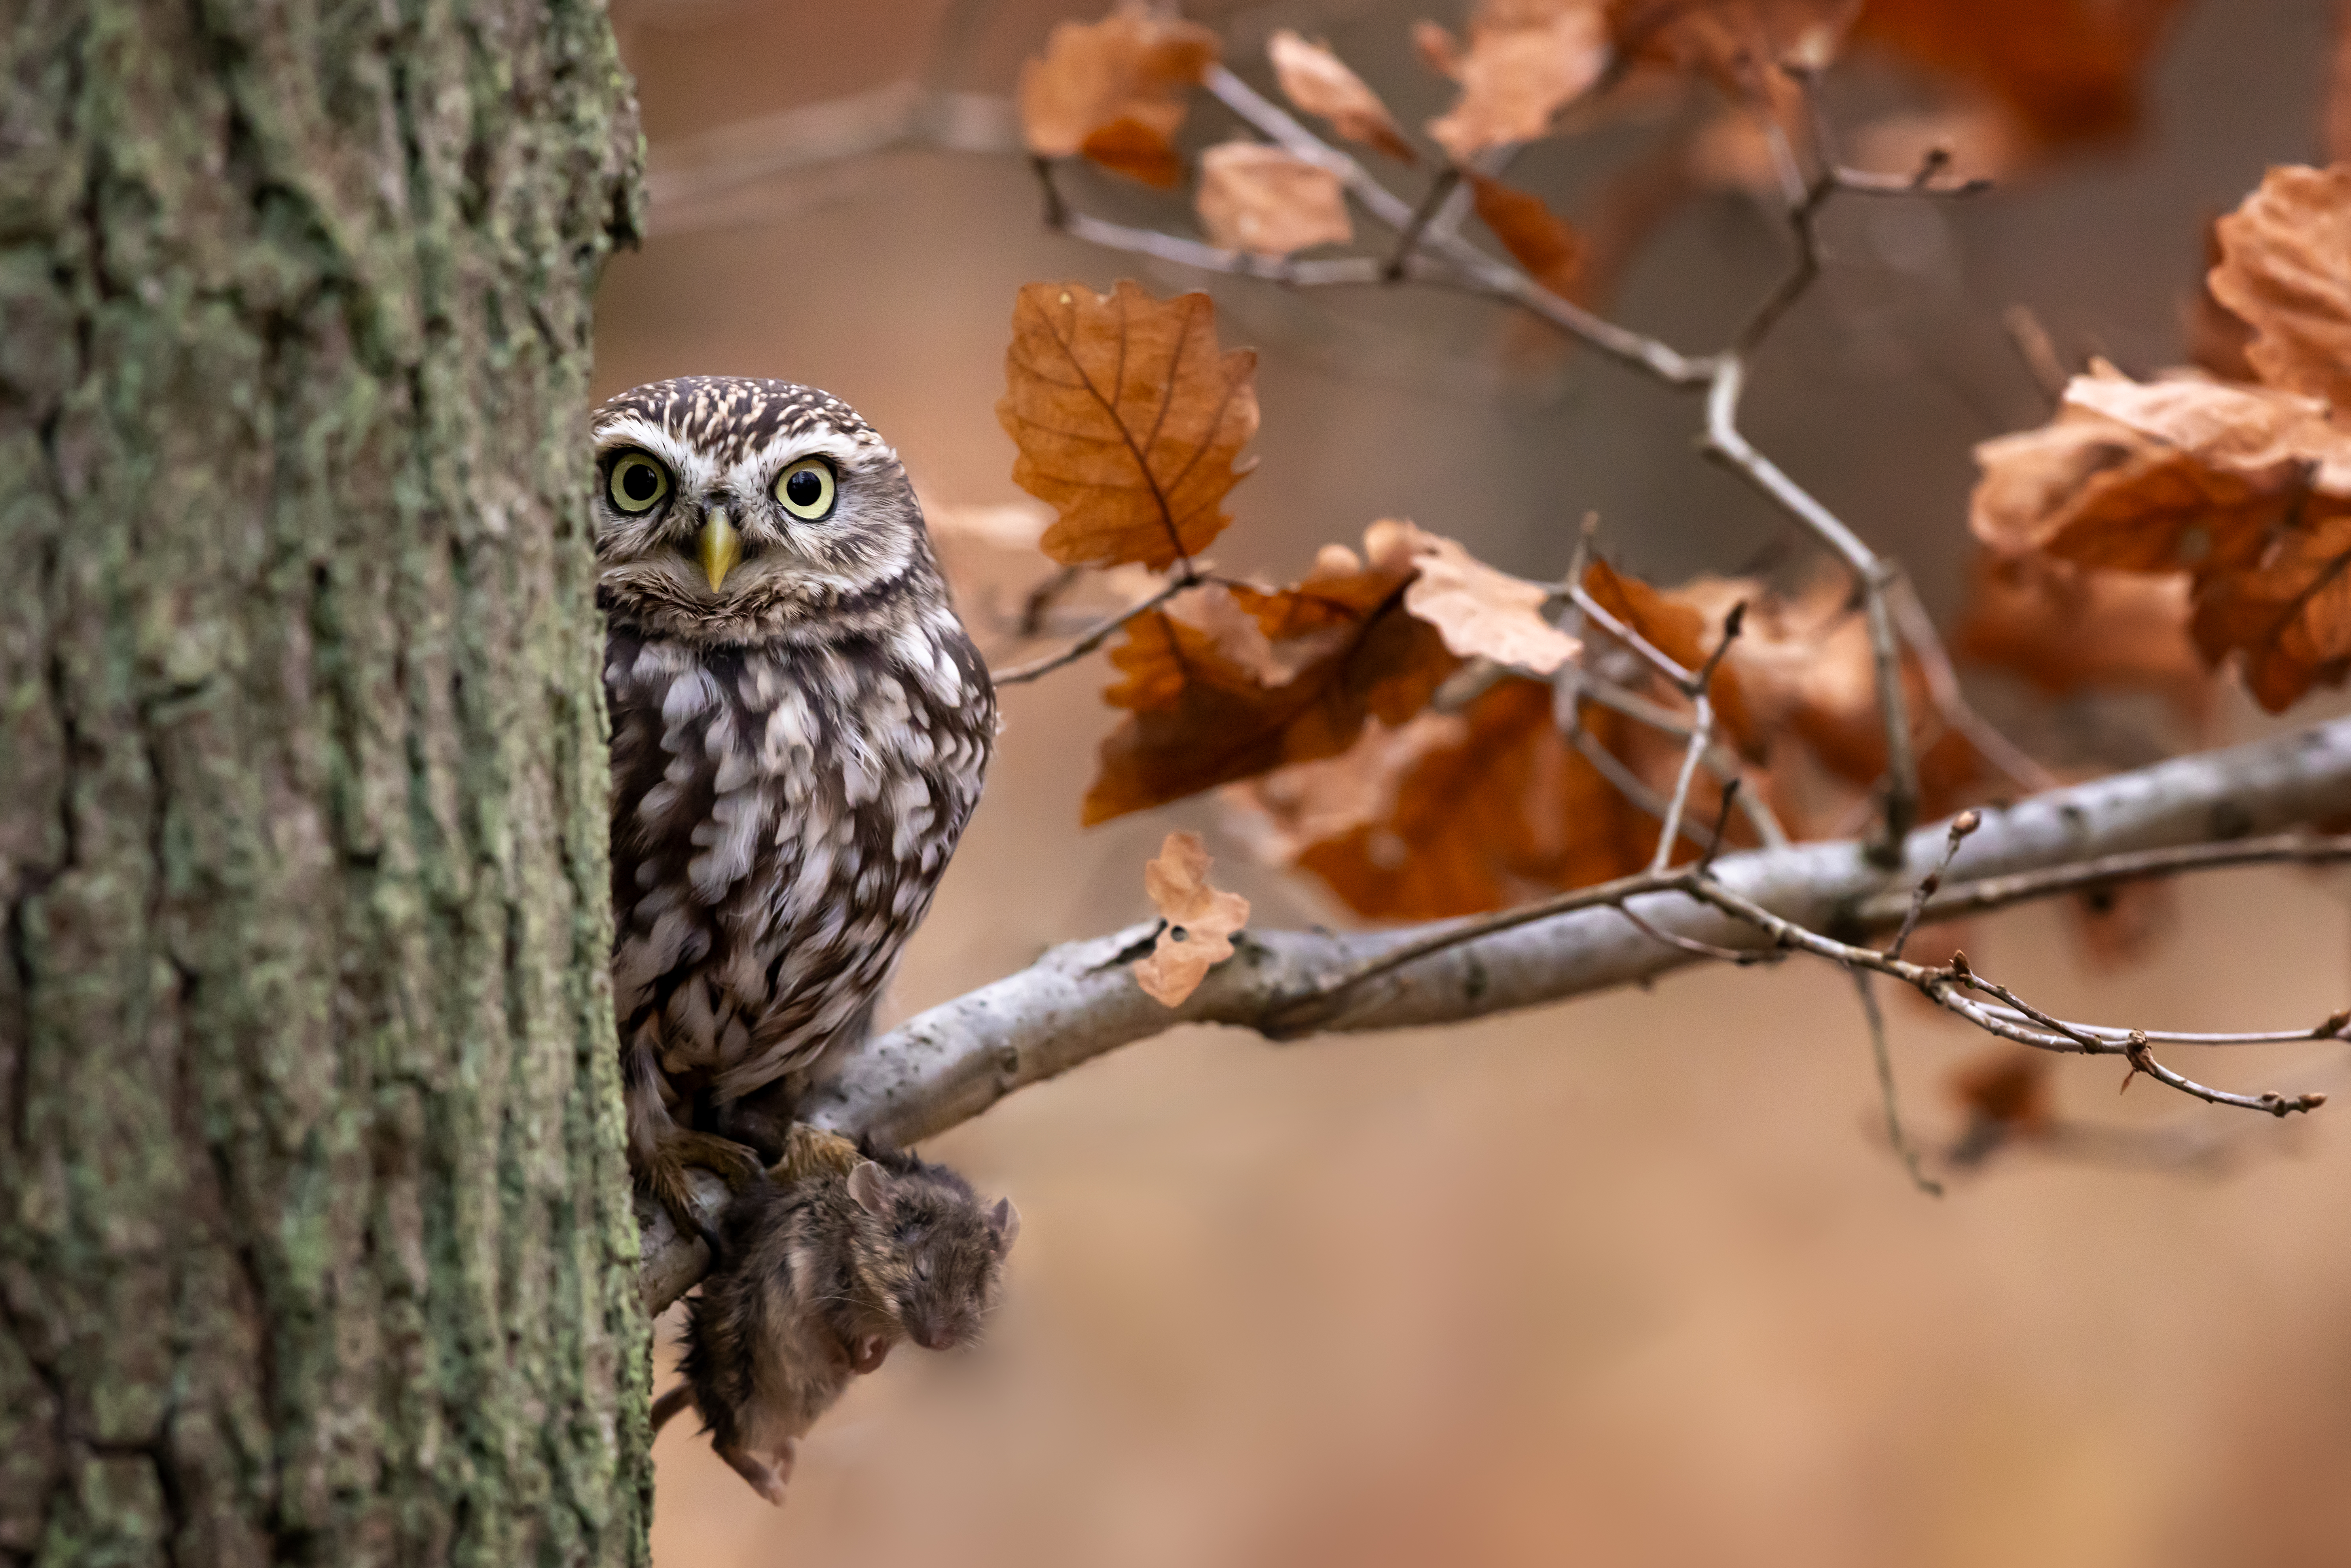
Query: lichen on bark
[[315, 1241]]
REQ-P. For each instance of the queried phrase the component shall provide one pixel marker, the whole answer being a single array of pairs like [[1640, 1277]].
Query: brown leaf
[[2288, 613], [1200, 921], [1543, 243], [1264, 200], [2217, 335], [1483, 612], [2009, 1088], [1128, 420], [1508, 811], [2071, 69], [1739, 44], [2285, 271], [1113, 90], [2067, 628], [1525, 60], [1202, 711], [1319, 83], [2158, 477], [1280, 813], [1127, 146]]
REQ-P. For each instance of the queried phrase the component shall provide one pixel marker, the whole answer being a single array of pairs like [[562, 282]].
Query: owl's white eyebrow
[[693, 469], [845, 450]]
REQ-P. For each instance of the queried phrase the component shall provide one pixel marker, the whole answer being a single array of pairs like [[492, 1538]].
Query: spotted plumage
[[800, 729]]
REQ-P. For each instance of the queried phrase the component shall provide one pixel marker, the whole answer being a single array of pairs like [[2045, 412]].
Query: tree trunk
[[317, 1245]]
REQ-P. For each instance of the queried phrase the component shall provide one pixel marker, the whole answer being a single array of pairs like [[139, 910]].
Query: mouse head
[[944, 1259]]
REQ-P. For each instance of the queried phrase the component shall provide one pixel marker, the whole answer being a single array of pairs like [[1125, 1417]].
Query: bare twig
[[1963, 824], [1863, 983], [1102, 632]]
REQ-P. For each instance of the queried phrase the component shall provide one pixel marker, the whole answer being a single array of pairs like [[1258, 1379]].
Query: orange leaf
[[1318, 82], [1543, 241], [2285, 271], [1262, 199], [1200, 921], [1127, 146], [2007, 1087], [1506, 811], [2067, 628], [1129, 67], [1740, 44], [2157, 477], [2288, 613], [1206, 707], [2069, 68], [1128, 421], [1526, 59]]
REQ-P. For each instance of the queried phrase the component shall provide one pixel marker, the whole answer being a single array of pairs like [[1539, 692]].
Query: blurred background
[[1635, 1280]]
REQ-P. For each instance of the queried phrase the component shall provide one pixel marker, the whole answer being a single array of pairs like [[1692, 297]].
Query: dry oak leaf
[[2067, 628], [1339, 648], [1739, 44], [1524, 61], [1114, 90], [1496, 811], [2071, 69], [2285, 272], [1201, 921], [1276, 815], [1268, 202], [2287, 613], [2158, 477], [1483, 612], [1128, 421], [1542, 241], [1127, 146], [1318, 82]]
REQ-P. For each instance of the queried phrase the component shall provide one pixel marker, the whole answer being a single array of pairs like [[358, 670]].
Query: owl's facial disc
[[741, 512]]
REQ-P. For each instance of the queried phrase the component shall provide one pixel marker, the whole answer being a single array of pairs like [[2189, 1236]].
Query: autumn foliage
[[1430, 735]]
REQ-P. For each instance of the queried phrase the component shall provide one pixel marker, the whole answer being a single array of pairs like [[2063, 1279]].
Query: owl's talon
[[663, 1172]]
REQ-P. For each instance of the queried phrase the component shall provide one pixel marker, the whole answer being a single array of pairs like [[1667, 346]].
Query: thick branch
[[1078, 1001]]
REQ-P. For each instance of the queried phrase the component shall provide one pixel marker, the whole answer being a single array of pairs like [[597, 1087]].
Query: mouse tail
[[669, 1404]]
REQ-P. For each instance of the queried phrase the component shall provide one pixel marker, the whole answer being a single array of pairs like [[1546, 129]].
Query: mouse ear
[[1004, 1220], [869, 1189]]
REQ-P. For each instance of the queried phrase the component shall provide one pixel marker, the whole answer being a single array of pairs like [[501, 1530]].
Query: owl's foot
[[664, 1171]]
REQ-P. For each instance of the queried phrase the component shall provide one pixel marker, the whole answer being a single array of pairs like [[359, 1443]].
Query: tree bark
[[316, 1244]]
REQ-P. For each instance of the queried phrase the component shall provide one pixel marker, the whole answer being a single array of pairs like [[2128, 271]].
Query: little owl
[[799, 726]]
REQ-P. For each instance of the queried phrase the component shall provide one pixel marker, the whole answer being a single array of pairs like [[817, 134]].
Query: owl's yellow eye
[[806, 489], [638, 484]]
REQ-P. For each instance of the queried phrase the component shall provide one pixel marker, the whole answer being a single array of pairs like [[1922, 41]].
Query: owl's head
[[734, 510]]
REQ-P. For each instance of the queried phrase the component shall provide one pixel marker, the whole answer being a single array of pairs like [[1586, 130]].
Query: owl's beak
[[722, 547]]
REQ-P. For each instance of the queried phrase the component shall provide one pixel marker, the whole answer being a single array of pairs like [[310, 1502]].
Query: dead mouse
[[846, 1250]]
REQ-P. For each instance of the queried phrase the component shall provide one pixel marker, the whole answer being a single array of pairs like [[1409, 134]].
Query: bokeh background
[[1630, 1281]]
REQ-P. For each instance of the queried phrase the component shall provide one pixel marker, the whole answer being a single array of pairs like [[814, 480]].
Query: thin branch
[[1980, 896], [1963, 824], [1862, 982], [1102, 632]]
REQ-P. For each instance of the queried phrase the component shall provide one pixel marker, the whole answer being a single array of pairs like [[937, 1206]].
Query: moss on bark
[[315, 1239]]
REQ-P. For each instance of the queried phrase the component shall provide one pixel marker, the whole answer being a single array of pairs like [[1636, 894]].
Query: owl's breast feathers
[[780, 817]]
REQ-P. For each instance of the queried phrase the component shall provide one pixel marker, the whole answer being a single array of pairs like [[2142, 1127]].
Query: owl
[[799, 730]]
